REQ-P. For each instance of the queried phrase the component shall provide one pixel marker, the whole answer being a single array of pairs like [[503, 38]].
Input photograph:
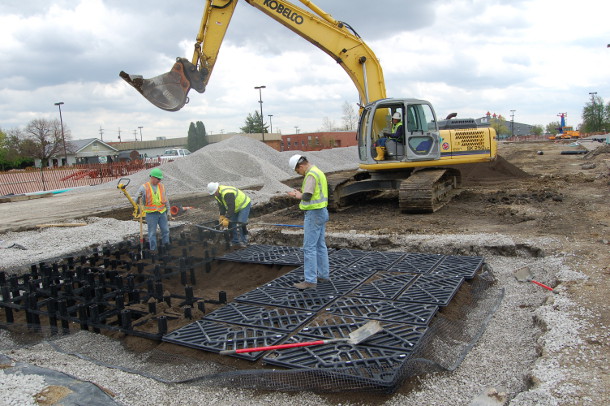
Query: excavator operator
[[397, 134]]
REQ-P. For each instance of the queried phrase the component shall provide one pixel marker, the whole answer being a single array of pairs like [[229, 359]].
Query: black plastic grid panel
[[215, 336], [437, 289], [384, 310], [351, 272], [417, 263], [397, 336], [465, 267], [266, 254], [344, 256], [384, 285], [378, 366], [379, 261], [309, 299], [336, 286], [277, 318]]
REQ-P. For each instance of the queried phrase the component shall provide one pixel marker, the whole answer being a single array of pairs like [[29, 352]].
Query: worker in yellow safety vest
[[156, 208], [314, 202], [234, 206]]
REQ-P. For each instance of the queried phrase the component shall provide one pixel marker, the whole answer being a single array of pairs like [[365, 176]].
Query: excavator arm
[[169, 91]]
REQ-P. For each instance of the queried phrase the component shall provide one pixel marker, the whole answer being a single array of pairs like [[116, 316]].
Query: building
[[90, 150], [318, 141]]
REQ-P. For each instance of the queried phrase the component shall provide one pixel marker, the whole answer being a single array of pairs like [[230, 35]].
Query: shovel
[[525, 275], [355, 337]]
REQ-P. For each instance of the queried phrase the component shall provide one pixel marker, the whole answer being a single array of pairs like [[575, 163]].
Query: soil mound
[[500, 168]]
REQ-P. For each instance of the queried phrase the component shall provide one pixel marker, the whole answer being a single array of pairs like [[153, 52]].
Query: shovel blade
[[365, 332], [169, 91], [523, 274]]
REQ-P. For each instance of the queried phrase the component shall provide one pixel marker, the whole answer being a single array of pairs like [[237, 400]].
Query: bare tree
[[46, 139], [327, 124], [350, 117]]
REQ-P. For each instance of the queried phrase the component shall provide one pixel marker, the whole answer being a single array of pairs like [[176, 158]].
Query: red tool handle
[[543, 285], [274, 347]]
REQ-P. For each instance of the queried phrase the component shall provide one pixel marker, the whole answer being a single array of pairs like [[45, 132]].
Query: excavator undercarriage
[[419, 191]]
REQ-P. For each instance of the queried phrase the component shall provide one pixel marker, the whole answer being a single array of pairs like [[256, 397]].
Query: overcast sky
[[537, 57]]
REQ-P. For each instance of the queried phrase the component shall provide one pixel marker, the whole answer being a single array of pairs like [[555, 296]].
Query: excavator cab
[[421, 137], [169, 91]]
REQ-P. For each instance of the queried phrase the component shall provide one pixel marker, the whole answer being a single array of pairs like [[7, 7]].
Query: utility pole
[[512, 123], [140, 127], [260, 100], [270, 123], [63, 138], [101, 133], [119, 134]]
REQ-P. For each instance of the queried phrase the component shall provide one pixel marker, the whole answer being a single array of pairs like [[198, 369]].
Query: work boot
[[304, 285], [323, 280], [380, 154]]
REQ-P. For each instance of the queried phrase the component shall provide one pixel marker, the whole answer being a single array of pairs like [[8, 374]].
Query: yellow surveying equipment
[[123, 182]]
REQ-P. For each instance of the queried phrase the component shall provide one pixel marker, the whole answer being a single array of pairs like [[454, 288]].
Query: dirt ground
[[532, 190]]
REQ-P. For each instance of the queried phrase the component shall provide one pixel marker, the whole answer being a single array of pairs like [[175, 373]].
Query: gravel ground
[[521, 352]]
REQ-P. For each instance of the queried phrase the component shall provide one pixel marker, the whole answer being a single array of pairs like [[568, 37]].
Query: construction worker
[[397, 134], [234, 206], [314, 202], [155, 207]]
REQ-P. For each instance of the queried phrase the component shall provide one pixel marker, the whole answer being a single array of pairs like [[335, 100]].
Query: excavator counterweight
[[169, 91]]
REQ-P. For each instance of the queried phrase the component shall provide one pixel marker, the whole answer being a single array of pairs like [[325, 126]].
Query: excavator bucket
[[169, 91]]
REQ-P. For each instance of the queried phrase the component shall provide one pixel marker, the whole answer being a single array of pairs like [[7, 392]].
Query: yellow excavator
[[420, 164]]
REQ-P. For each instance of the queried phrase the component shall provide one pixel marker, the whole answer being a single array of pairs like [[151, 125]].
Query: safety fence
[[33, 180]]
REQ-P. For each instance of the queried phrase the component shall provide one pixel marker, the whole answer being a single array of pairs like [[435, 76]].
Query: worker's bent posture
[[155, 207], [314, 202], [234, 206]]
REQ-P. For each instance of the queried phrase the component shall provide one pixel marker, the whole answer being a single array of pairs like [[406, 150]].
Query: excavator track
[[426, 191]]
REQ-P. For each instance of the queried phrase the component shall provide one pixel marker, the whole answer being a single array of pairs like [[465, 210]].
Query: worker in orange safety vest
[[156, 208]]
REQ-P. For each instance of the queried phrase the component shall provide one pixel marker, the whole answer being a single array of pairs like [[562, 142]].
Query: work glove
[[223, 221]]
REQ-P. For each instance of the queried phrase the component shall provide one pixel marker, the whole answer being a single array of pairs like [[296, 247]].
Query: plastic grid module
[[384, 285], [372, 365], [437, 289], [384, 310], [266, 254], [397, 336], [277, 318], [215, 336], [336, 286], [378, 261], [345, 256], [309, 299], [416, 263], [466, 267]]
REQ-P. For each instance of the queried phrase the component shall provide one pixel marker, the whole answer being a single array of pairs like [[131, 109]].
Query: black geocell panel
[[384, 310], [416, 263], [344, 256], [465, 267], [216, 336], [379, 366], [434, 289], [277, 318], [384, 285], [395, 336], [336, 286], [266, 254], [309, 299]]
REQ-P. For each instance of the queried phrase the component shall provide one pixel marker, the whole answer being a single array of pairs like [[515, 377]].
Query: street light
[[63, 138], [260, 100], [270, 124], [140, 127], [512, 123]]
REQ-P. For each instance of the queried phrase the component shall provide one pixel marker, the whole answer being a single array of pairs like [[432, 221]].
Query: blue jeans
[[152, 220], [314, 245], [238, 234]]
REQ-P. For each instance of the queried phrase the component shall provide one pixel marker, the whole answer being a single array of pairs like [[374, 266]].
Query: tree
[[253, 124], [328, 125], [197, 136], [595, 117], [47, 139], [350, 117], [499, 124], [537, 129], [553, 127]]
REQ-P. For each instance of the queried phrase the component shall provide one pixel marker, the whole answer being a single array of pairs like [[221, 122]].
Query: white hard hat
[[397, 116], [213, 187], [294, 160]]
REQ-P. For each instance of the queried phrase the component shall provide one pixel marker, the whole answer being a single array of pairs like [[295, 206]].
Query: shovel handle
[[277, 347], [542, 285]]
